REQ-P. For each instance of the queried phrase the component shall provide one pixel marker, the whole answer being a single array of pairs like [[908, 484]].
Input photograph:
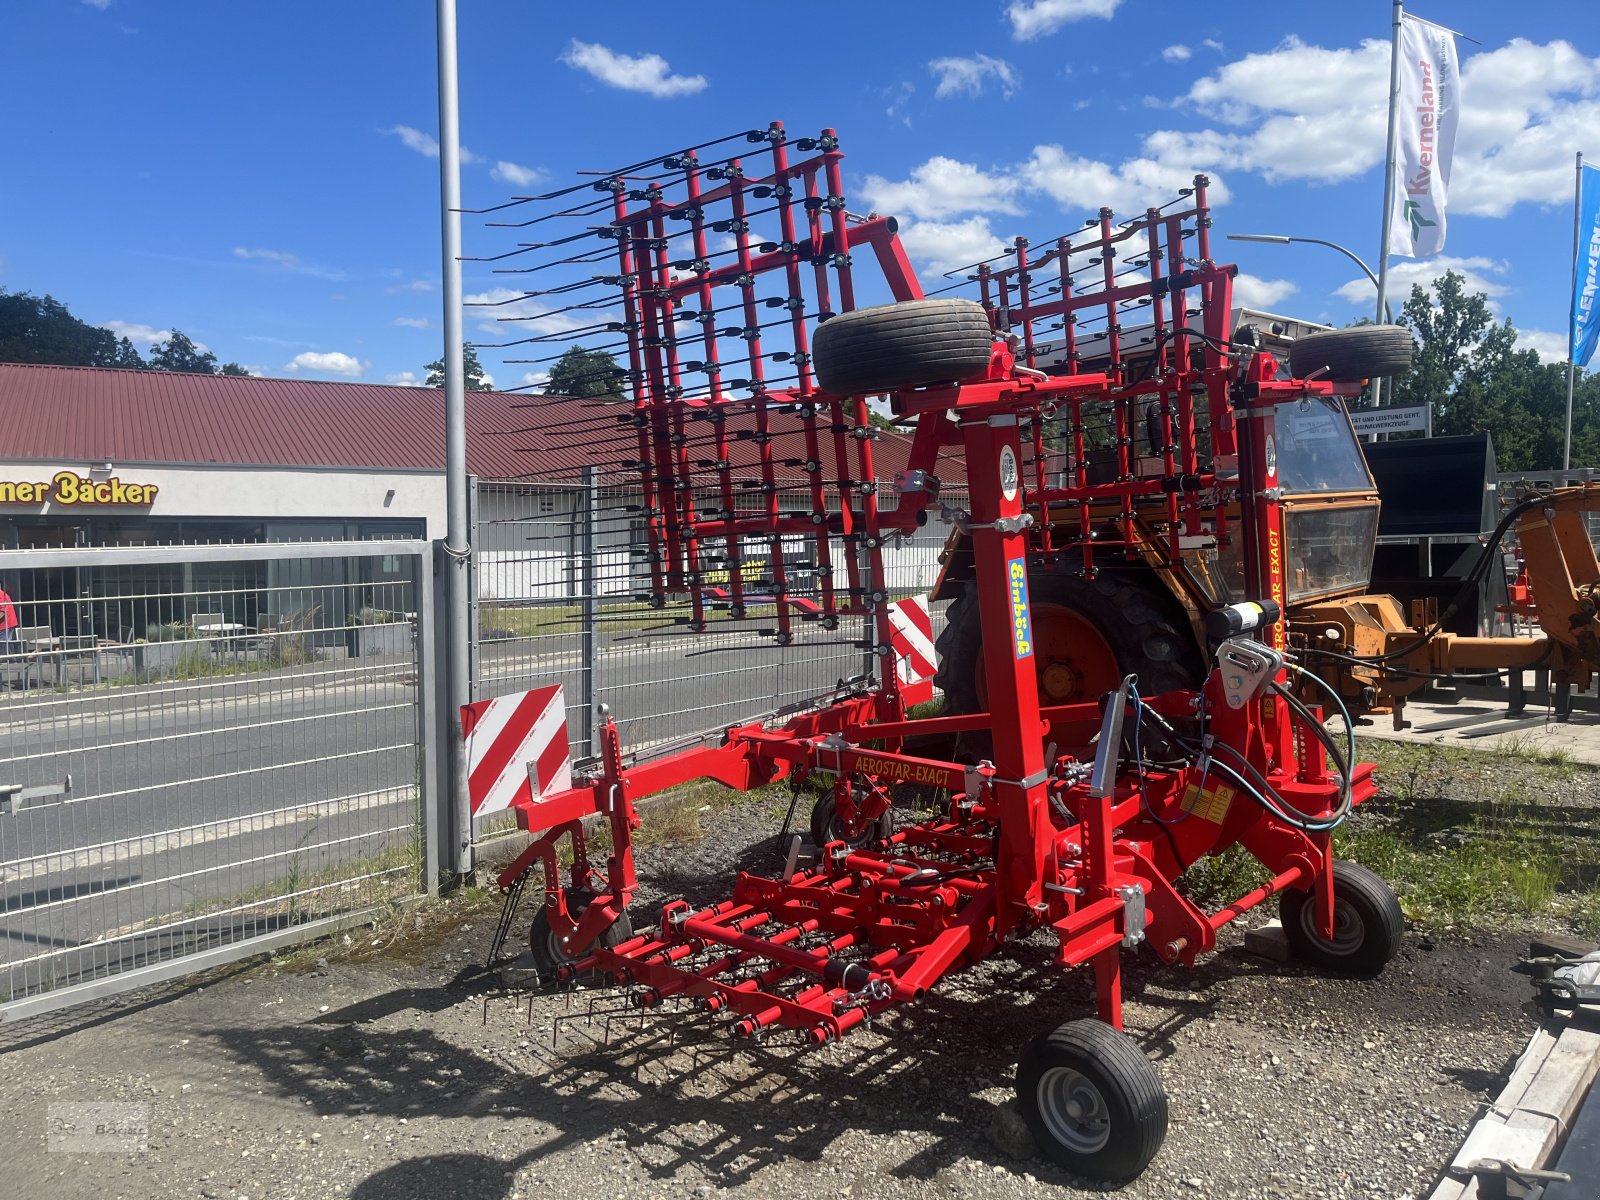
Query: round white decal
[[1009, 476], [1272, 457]]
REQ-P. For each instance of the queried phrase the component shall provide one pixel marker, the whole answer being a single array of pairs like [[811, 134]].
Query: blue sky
[[257, 175]]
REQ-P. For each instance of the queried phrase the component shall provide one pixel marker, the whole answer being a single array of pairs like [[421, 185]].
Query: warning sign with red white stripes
[[517, 749], [911, 636]]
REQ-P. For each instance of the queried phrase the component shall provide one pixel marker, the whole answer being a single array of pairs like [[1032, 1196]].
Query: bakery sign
[[68, 489]]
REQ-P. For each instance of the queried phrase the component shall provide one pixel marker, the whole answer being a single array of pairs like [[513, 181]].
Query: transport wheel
[[1362, 352], [828, 826], [892, 346], [1093, 1100], [549, 955], [1087, 635], [1367, 923]]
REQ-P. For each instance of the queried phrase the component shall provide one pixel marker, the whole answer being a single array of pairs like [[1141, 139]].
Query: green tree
[[232, 368], [179, 353], [40, 329], [471, 367], [586, 373], [128, 356], [1470, 369]]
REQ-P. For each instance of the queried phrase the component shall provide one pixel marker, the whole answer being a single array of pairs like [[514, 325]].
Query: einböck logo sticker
[[1021, 619]]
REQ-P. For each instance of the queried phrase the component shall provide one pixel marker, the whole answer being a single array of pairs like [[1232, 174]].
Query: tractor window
[[1317, 449]]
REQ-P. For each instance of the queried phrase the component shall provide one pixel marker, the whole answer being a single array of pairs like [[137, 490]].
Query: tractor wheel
[[1363, 352], [549, 955], [1367, 923], [873, 350], [1093, 1101], [828, 826], [1087, 635]]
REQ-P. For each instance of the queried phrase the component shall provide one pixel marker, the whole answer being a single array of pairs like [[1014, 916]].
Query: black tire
[[1147, 631], [825, 825], [1093, 1101], [1367, 919], [549, 956], [873, 350], [1362, 352]]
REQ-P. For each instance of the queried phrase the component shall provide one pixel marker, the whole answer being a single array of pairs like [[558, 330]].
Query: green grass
[[1476, 837]]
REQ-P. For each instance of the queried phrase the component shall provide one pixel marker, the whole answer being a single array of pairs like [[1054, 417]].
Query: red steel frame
[[1027, 839]]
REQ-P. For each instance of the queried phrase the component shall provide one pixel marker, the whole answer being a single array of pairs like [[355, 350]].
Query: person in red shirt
[[8, 623]]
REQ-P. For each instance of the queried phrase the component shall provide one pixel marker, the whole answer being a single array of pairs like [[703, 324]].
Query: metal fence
[[561, 593], [206, 752]]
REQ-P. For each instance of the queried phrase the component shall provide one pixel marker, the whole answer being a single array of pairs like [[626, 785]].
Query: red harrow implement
[[749, 365]]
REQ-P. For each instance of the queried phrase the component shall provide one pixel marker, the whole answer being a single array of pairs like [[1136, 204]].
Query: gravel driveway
[[374, 1073]]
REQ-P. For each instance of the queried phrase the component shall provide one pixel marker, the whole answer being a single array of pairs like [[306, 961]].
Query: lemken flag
[[1428, 104], [1586, 273]]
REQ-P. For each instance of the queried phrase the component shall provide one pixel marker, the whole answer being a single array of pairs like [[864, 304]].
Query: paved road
[[257, 793]]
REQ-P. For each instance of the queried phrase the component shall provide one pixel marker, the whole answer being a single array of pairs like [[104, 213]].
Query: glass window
[[1328, 549], [1317, 449]]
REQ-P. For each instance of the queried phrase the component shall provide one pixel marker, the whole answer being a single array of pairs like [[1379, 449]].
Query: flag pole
[[1388, 188], [1572, 328]]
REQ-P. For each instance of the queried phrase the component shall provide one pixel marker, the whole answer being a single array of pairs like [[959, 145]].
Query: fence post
[[473, 581], [434, 731], [589, 581]]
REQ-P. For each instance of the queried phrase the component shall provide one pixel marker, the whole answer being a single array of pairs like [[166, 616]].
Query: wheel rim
[[837, 832], [1074, 661], [1349, 930], [1073, 1110]]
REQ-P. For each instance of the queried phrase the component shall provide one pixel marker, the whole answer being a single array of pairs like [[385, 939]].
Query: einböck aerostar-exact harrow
[[748, 368]]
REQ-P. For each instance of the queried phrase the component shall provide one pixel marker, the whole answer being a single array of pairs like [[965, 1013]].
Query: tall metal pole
[[458, 537], [1388, 187], [1572, 329]]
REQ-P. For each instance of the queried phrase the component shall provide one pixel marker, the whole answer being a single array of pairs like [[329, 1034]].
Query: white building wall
[[222, 492]]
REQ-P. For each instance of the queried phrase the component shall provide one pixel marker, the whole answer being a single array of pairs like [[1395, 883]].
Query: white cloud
[[967, 76], [487, 378], [331, 363], [899, 96], [415, 285], [1318, 114], [1038, 18], [1085, 184], [1213, 44], [403, 379], [425, 144], [411, 322], [515, 174], [102, 5], [137, 332], [647, 73], [941, 187], [1178, 53], [947, 245], [1477, 272], [287, 262], [1552, 347], [526, 317], [1251, 291], [145, 336], [534, 379]]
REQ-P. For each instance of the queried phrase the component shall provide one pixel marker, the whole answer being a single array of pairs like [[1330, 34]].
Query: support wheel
[[549, 955], [1367, 923], [1093, 1101], [828, 826]]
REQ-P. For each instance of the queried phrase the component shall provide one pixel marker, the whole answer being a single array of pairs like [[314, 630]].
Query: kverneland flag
[[1586, 271], [1428, 104]]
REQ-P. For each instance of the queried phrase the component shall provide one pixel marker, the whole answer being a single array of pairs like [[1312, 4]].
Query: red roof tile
[[98, 414]]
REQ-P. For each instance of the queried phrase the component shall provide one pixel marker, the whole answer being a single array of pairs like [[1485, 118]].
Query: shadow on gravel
[[682, 1093], [475, 1175]]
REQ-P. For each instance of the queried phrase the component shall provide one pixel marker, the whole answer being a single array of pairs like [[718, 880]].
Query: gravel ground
[[398, 1072]]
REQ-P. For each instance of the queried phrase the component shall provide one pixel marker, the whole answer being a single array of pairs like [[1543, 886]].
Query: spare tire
[[1350, 355], [915, 342]]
